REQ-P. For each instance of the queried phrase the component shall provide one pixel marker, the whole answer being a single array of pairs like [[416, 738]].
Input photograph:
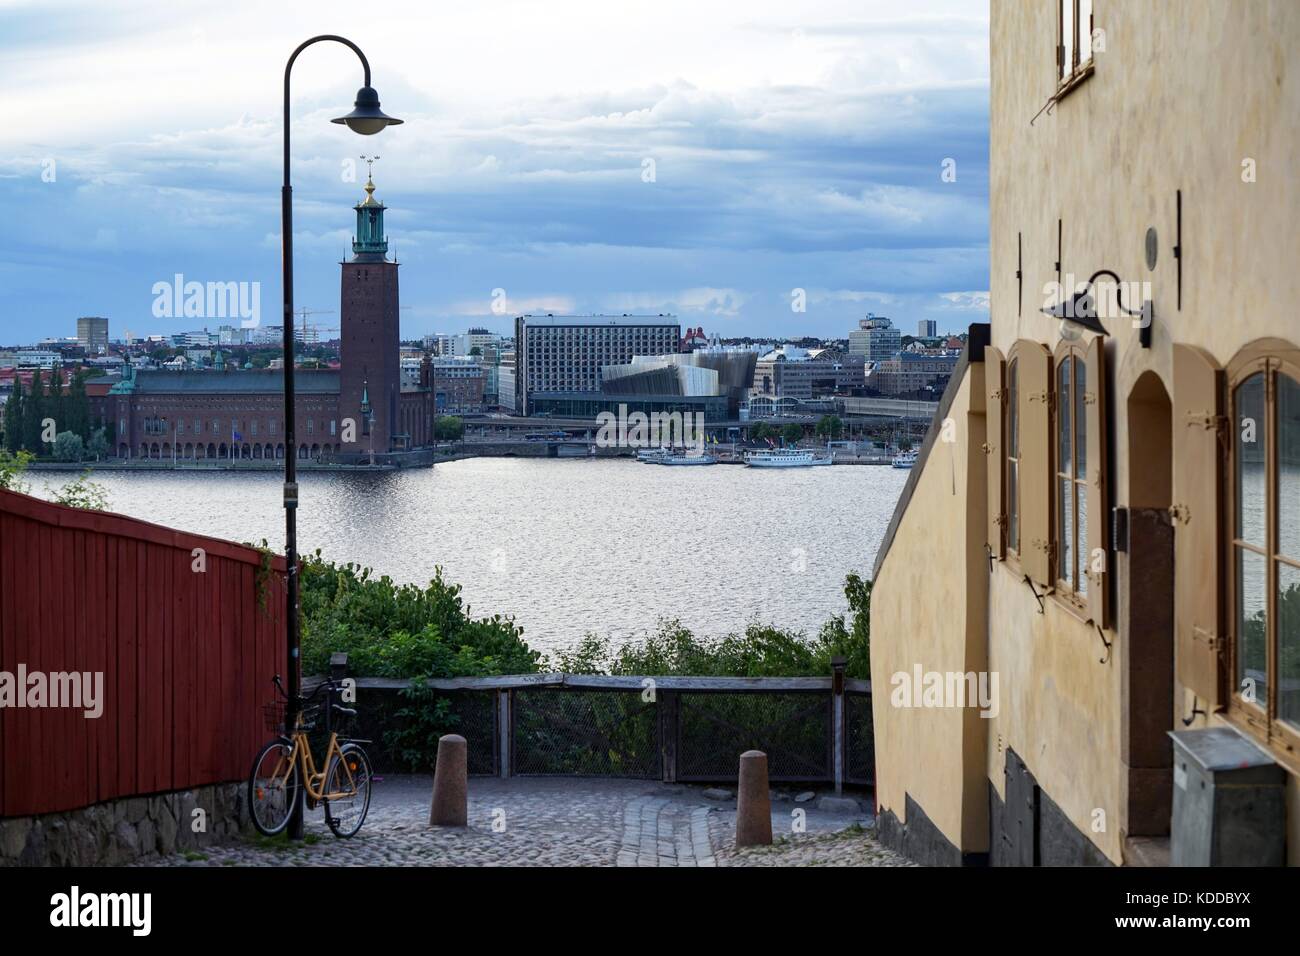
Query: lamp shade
[[366, 117]]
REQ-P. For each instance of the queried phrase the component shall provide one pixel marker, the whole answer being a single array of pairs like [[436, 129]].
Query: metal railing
[[689, 729]]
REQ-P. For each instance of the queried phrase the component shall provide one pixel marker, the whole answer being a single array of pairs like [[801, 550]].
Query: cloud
[[788, 149]]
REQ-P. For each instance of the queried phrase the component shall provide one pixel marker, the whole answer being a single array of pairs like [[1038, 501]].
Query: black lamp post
[[366, 118]]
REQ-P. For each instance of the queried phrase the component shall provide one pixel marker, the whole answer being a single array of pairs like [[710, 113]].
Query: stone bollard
[[450, 784], [753, 801]]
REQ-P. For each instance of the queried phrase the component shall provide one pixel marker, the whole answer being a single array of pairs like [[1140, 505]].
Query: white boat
[[823, 459], [905, 459], [780, 458], [652, 454], [687, 460]]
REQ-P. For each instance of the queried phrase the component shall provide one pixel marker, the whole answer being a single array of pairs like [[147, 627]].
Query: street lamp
[[1080, 309], [366, 118]]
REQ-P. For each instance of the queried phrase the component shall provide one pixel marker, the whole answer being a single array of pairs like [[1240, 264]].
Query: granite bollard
[[450, 784], [753, 801]]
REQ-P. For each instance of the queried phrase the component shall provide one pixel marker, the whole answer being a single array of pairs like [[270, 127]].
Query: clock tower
[[370, 380]]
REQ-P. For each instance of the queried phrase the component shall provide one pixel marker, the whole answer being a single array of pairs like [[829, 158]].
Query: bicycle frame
[[314, 780]]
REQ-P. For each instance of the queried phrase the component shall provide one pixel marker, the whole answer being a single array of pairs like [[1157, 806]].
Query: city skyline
[[842, 152]]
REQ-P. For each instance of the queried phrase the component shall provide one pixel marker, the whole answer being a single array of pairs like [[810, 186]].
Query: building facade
[[1102, 527], [793, 372], [92, 333], [564, 354], [910, 372], [875, 338]]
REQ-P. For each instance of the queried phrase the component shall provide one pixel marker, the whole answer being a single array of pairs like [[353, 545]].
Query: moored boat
[[780, 458]]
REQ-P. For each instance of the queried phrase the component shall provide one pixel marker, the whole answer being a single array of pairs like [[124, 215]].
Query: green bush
[[758, 651], [401, 630]]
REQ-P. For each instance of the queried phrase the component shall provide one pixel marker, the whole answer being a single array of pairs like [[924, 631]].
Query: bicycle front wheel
[[349, 776], [273, 788]]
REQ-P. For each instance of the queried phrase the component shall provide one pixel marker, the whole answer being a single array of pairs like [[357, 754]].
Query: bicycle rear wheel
[[272, 788], [345, 815]]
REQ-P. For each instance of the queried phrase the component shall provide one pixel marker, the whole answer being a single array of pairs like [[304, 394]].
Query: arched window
[[1264, 535], [1071, 488]]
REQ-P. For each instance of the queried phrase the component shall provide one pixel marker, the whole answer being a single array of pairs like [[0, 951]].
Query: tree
[[11, 470], [476, 351], [14, 417], [448, 428], [761, 431], [830, 427], [55, 403], [33, 412], [791, 433], [77, 410], [68, 446], [83, 493], [98, 444], [852, 640]]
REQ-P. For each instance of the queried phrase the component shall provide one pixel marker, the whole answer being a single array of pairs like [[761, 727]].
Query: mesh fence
[[860, 740], [793, 729], [585, 733]]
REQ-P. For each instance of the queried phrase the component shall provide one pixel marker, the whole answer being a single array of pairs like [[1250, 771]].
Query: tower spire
[[370, 244]]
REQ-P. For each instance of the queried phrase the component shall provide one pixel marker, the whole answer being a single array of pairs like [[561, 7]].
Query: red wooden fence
[[187, 657]]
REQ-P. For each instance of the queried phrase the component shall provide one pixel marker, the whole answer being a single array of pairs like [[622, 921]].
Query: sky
[[701, 158]]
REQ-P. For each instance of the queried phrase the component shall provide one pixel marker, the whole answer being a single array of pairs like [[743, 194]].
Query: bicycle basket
[[274, 714]]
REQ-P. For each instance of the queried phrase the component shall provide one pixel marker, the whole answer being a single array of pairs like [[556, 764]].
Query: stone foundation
[[123, 831]]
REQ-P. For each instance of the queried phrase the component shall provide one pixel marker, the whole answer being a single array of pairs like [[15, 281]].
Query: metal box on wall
[[1229, 801]]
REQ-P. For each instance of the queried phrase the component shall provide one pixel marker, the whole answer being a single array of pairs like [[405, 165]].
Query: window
[[1074, 44], [1264, 568], [1013, 460], [1071, 537]]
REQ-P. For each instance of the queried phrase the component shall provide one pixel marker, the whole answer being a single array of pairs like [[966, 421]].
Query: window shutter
[[1098, 559], [1198, 520], [1033, 395], [995, 452]]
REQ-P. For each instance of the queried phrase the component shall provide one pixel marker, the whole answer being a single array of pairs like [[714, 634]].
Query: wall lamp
[[1080, 308]]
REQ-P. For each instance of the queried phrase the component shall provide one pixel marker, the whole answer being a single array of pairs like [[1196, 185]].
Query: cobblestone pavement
[[560, 822]]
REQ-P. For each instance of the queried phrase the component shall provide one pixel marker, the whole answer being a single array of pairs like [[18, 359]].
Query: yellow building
[[1102, 536]]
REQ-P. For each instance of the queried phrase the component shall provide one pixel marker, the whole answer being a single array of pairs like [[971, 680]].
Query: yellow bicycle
[[284, 764]]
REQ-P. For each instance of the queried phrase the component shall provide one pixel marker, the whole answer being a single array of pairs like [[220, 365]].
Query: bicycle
[[275, 778]]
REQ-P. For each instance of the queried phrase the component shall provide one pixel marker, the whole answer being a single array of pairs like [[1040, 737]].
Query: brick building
[[344, 414]]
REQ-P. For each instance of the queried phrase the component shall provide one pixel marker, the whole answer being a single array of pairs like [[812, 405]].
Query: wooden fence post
[[668, 733], [503, 732], [838, 720]]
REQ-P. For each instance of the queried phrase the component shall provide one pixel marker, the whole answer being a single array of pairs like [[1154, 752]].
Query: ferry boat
[[781, 458], [652, 455], [905, 459], [686, 459]]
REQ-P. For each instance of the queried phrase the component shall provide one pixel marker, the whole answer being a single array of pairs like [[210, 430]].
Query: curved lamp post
[[366, 118]]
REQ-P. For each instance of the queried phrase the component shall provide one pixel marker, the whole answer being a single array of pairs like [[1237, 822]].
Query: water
[[567, 547]]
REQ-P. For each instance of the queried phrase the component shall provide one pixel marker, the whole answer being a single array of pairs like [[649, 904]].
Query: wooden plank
[[127, 641]]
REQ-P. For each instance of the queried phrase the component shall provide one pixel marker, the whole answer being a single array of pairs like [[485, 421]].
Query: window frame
[[1076, 353], [1261, 722], [1011, 430], [1079, 67]]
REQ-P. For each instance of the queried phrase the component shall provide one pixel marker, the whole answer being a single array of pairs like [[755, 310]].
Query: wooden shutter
[[1198, 438], [1097, 562], [1034, 397], [995, 451]]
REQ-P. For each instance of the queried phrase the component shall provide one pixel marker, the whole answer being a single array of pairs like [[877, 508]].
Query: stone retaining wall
[[123, 831]]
